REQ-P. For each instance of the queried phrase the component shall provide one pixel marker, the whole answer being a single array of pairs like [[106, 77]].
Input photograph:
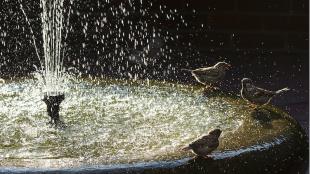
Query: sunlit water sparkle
[[113, 122]]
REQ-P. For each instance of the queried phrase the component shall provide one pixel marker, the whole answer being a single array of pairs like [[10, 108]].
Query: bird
[[210, 75], [206, 144], [257, 96]]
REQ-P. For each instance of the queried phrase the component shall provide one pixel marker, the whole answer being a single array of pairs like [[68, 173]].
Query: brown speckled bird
[[210, 75], [205, 145], [256, 95]]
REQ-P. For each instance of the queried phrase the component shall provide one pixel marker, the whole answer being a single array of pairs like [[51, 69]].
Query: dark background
[[266, 40]]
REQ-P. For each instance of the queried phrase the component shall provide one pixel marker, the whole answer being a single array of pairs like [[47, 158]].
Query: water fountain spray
[[52, 24]]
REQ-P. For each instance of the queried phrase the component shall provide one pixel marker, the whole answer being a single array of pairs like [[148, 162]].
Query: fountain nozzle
[[52, 102]]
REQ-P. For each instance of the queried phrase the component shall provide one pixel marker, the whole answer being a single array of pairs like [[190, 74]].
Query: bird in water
[[257, 96], [206, 144], [210, 75]]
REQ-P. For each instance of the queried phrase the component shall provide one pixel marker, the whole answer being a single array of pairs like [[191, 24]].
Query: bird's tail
[[183, 69], [186, 148], [282, 90]]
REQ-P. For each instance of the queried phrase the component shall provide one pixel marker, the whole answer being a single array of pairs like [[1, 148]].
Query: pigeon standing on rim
[[256, 95], [210, 75], [205, 145]]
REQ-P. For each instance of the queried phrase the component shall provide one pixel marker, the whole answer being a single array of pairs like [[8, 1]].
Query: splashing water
[[110, 121], [128, 39], [31, 30]]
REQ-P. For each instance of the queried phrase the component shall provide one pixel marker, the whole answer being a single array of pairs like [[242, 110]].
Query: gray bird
[[256, 95], [205, 145], [210, 75]]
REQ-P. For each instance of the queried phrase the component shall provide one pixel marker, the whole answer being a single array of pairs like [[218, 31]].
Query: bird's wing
[[213, 143], [198, 143], [210, 71], [259, 92], [206, 141]]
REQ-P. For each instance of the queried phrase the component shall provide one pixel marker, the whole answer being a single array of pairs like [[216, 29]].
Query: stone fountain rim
[[140, 166]]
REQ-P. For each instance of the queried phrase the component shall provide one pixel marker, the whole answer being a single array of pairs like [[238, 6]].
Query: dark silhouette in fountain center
[[52, 102]]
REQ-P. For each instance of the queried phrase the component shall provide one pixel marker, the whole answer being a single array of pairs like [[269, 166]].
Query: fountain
[[52, 24], [52, 102], [127, 123]]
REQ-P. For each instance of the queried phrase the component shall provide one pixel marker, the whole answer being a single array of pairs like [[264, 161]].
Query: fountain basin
[[119, 126]]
